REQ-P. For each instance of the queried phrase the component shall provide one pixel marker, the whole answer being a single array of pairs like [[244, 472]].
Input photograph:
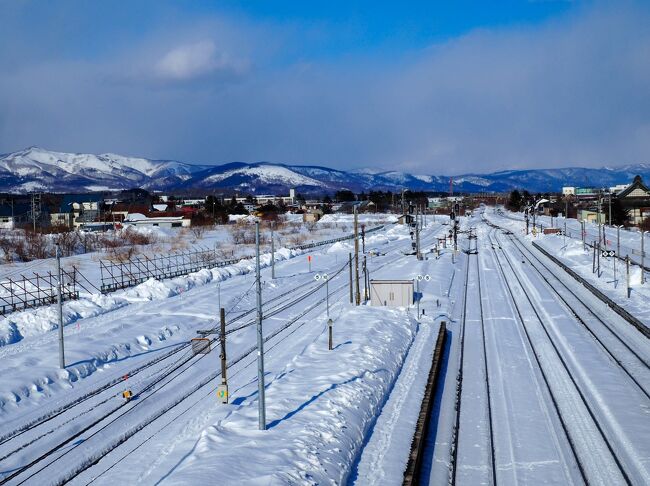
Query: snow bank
[[19, 325], [341, 246], [320, 409]]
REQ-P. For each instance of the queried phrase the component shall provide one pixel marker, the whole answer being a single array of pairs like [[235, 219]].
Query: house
[[635, 200], [12, 212], [119, 211], [77, 209]]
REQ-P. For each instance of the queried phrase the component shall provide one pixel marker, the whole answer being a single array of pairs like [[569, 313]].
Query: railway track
[[119, 382], [626, 346], [473, 424], [605, 445], [161, 379], [39, 466]]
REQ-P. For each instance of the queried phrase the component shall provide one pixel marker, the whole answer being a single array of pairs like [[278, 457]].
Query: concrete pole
[[59, 302], [222, 338], [260, 336], [272, 253], [356, 258], [598, 259], [610, 208], [366, 292], [618, 241], [417, 238], [643, 257], [583, 230], [627, 264]]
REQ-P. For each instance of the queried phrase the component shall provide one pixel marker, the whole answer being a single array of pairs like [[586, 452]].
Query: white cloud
[[196, 60]]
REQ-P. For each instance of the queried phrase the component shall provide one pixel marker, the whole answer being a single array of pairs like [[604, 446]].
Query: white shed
[[391, 293]]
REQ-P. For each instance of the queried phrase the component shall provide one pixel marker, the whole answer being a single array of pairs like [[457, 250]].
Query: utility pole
[[272, 253], [222, 391], [610, 207], [417, 237], [365, 279], [618, 239], [363, 239], [356, 257], [643, 257], [584, 230], [599, 208], [351, 292], [598, 259], [627, 263], [260, 337], [59, 301], [593, 261], [36, 208]]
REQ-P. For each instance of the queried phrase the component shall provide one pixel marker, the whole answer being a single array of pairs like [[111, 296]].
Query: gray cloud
[[571, 92]]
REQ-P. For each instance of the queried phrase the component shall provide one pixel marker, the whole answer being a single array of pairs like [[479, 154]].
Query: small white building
[[618, 188], [569, 191], [391, 293]]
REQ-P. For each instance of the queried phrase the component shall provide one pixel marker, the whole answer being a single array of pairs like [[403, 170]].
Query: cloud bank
[[572, 91]]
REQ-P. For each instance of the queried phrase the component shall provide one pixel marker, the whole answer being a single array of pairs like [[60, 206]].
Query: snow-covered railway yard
[[541, 382]]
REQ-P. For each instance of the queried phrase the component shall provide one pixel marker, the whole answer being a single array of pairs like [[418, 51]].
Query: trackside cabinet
[[391, 293]]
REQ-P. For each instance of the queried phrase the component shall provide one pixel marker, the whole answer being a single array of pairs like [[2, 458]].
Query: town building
[[635, 200]]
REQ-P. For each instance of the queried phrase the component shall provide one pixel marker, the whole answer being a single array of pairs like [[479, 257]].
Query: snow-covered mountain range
[[36, 169]]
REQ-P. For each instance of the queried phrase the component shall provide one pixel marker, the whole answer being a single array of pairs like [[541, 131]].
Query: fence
[[121, 275], [28, 292]]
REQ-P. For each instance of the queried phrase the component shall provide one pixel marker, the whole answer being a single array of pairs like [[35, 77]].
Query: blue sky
[[427, 87]]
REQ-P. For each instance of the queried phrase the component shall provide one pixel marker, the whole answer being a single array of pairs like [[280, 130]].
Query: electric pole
[[222, 391], [272, 253], [610, 207], [356, 258], [418, 255], [365, 279], [260, 337]]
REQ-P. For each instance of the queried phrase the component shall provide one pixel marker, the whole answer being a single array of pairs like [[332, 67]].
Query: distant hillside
[[36, 169]]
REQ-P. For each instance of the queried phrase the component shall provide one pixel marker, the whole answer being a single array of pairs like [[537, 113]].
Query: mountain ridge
[[38, 169]]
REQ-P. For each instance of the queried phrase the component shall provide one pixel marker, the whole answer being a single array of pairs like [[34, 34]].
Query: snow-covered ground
[[541, 382], [626, 241]]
